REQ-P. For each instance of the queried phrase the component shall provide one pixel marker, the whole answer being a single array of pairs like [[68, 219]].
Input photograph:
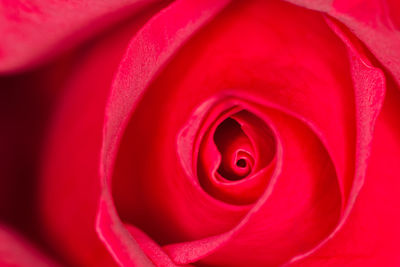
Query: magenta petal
[[375, 22], [71, 179], [117, 239], [18, 252], [32, 31], [189, 233], [371, 233], [151, 248], [253, 143], [144, 58], [297, 184], [369, 89]]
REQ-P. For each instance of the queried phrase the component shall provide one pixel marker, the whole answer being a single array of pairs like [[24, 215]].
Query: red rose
[[210, 133]]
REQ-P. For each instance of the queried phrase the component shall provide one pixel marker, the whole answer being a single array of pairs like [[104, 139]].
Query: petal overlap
[[181, 201]]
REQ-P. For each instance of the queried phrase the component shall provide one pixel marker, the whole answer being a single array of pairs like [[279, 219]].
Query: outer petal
[[26, 102], [375, 22], [369, 89], [151, 49], [371, 234], [207, 77], [17, 252], [69, 186], [34, 30]]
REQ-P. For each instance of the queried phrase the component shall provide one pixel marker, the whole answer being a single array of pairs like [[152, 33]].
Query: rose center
[[241, 163], [236, 150]]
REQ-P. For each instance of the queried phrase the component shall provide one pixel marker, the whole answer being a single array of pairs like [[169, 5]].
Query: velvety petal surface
[[32, 31], [68, 188], [144, 120], [371, 233], [151, 48], [174, 186], [18, 252], [375, 22]]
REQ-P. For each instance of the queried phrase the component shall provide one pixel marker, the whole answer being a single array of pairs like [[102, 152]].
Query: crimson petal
[[33, 31]]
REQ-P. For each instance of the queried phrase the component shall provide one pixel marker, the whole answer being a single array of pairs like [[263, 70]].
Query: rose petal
[[375, 22], [163, 192], [307, 179], [150, 50], [26, 104], [16, 251], [32, 31], [146, 195], [369, 87], [248, 189], [370, 235], [68, 188], [151, 248]]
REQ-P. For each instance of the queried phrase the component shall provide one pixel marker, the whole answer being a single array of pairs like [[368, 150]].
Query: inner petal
[[236, 155], [236, 150]]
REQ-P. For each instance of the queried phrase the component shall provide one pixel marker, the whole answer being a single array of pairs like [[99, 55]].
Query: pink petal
[[150, 50], [369, 88], [18, 252], [375, 22], [146, 195], [269, 225], [69, 188], [32, 31], [151, 248], [371, 233]]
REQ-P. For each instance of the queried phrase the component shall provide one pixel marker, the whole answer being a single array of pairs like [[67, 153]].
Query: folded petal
[[375, 22], [151, 48], [370, 235], [150, 184], [68, 188]]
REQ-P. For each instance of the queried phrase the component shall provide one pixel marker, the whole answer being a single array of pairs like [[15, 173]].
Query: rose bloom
[[200, 133]]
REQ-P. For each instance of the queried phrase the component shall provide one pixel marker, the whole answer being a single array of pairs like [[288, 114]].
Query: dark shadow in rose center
[[241, 163], [236, 149], [246, 145]]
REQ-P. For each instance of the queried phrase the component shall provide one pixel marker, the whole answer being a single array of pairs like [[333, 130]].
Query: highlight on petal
[[32, 31], [151, 248], [371, 233], [369, 89], [150, 57], [16, 251], [167, 156], [234, 152], [303, 191], [375, 22]]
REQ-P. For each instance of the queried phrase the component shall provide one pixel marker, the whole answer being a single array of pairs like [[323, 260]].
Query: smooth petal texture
[[26, 104], [32, 31], [18, 252], [239, 18], [200, 157], [196, 226], [370, 235], [369, 87], [280, 66], [300, 185], [375, 22], [156, 254], [150, 50], [68, 188], [258, 161]]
